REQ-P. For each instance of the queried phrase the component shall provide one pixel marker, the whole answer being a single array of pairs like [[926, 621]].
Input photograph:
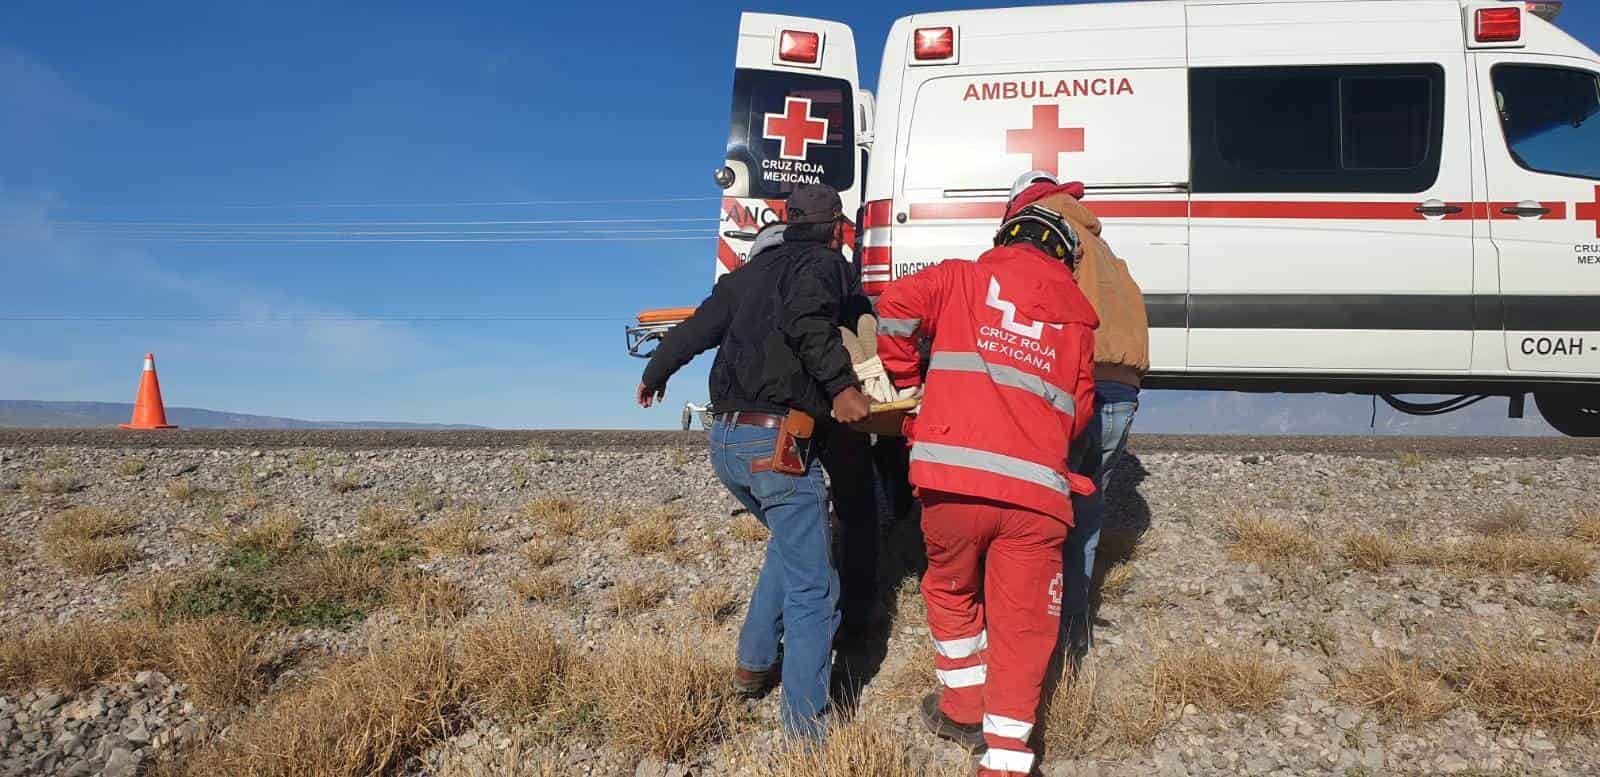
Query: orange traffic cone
[[148, 412]]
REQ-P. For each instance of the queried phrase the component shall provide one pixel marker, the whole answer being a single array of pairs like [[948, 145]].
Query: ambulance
[[1385, 197]]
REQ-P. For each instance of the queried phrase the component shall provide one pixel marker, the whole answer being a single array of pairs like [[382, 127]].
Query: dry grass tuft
[[346, 481], [184, 491], [1087, 716], [51, 483], [861, 747], [86, 541], [545, 587], [1586, 527], [129, 467], [1376, 552], [662, 696], [1398, 688], [748, 528], [278, 533], [1411, 460], [714, 604], [1507, 520], [360, 717], [1232, 678], [654, 534], [636, 596], [225, 661], [429, 599], [912, 678], [1271, 541], [515, 665], [543, 552], [1567, 560], [384, 523], [560, 517], [457, 533], [1118, 580], [77, 655], [1512, 684]]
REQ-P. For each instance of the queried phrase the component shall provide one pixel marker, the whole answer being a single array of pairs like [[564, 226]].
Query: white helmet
[[1028, 179]]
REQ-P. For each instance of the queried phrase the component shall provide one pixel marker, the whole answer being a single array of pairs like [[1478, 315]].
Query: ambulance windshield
[[792, 129], [1549, 118]]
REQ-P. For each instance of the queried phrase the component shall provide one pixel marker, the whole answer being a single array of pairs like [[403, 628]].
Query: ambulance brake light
[[804, 48], [1499, 25], [877, 258], [935, 43]]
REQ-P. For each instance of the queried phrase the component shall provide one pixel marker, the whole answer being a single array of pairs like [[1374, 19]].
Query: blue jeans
[[1105, 440], [797, 595]]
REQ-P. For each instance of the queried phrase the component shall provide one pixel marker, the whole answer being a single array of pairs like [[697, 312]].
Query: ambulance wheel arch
[[1573, 413]]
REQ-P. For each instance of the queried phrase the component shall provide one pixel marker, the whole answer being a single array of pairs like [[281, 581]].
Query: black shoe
[[968, 735]]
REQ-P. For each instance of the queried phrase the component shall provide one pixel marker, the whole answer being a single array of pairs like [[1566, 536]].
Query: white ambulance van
[[1373, 196]]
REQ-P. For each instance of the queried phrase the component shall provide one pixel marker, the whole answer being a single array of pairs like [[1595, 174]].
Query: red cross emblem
[[794, 129], [1046, 140], [1590, 211]]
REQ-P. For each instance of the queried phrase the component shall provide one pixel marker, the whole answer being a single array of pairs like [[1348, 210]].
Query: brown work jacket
[[1122, 343]]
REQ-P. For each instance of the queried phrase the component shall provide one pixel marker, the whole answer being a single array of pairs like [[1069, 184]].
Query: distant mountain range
[[1168, 412], [56, 415]]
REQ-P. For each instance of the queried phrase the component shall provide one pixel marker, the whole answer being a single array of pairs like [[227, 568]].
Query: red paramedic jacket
[[1010, 380]]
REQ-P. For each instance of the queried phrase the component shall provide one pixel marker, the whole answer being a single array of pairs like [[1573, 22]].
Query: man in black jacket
[[776, 321]]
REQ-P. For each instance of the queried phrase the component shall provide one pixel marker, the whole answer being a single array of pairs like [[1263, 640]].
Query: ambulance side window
[[1369, 128], [1548, 115]]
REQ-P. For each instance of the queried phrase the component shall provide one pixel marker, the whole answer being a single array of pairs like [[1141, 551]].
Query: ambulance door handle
[[1438, 209], [1527, 209]]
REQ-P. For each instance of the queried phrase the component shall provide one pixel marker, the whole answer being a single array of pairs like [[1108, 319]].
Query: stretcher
[[651, 327]]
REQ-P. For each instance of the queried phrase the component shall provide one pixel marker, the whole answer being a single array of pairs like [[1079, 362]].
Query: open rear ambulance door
[[797, 109]]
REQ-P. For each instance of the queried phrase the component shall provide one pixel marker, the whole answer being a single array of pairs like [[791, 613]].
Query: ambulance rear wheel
[[1571, 413]]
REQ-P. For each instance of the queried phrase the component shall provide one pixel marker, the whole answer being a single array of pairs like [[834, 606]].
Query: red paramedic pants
[[993, 592]]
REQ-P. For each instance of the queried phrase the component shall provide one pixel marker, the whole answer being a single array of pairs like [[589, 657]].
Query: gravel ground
[[1171, 502]]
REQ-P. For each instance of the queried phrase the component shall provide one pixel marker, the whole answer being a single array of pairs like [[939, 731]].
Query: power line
[[344, 205], [655, 231], [303, 319], [388, 241], [294, 224]]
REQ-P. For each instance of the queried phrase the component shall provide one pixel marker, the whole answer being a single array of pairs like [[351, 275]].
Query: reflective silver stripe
[[965, 647], [898, 327], [1010, 728], [959, 361], [1006, 761], [997, 463], [963, 678]]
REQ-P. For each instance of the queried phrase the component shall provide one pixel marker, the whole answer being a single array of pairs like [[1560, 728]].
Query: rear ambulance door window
[[762, 94], [1549, 118], [1372, 128]]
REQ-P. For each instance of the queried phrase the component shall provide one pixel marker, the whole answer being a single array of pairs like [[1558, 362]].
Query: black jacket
[[776, 320]]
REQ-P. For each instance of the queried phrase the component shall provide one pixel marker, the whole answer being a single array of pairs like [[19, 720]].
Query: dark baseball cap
[[814, 204]]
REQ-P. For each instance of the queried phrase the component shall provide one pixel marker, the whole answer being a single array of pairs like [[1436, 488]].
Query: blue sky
[[205, 112]]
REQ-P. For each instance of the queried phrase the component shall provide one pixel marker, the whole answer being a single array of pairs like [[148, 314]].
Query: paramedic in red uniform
[[1010, 385]]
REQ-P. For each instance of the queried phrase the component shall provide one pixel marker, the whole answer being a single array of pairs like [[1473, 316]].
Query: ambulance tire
[[1571, 413]]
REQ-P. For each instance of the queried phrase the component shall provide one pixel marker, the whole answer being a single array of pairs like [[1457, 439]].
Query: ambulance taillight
[[934, 44], [1499, 25], [1547, 10], [800, 47], [877, 258]]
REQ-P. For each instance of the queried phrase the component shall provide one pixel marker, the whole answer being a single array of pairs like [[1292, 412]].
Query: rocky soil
[[1181, 585]]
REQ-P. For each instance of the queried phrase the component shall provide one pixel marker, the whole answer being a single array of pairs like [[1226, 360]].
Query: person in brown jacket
[[1121, 359]]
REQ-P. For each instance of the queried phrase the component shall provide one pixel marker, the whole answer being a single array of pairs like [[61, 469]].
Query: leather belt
[[762, 420]]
